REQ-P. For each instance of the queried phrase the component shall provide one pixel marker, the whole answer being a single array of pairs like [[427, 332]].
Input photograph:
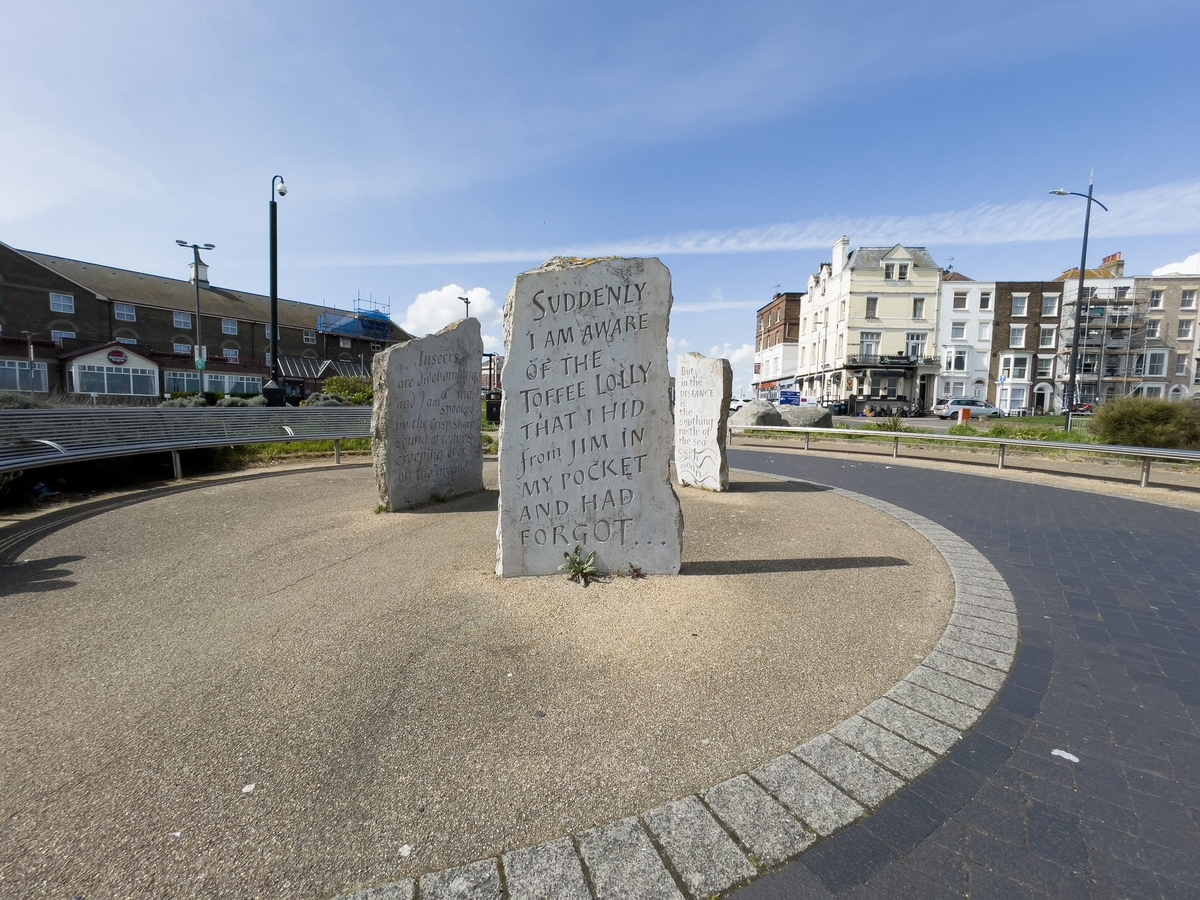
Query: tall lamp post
[[1073, 366], [273, 389], [200, 357], [467, 302]]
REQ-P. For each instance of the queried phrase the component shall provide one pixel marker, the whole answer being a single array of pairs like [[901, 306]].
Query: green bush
[[355, 391], [187, 401], [10, 400], [1144, 422], [320, 398]]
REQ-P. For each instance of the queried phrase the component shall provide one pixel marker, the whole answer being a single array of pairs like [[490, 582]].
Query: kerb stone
[[703, 388], [426, 439], [586, 426]]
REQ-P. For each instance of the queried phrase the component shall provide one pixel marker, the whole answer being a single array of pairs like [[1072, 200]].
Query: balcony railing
[[895, 359]]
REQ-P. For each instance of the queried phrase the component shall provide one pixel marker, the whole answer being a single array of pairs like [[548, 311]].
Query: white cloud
[[1190, 266], [434, 310]]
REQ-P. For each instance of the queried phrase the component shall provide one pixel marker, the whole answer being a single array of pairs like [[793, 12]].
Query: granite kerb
[[705, 844]]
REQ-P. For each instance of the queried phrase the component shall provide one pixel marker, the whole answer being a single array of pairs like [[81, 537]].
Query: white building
[[964, 336]]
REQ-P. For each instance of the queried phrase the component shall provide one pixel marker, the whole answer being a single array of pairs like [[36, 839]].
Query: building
[[1172, 340], [867, 325], [967, 311], [776, 346], [65, 326], [1025, 359]]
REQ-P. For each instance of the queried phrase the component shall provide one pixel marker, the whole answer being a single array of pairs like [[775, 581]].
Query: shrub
[[187, 401], [10, 400], [320, 398], [1145, 422], [352, 389]]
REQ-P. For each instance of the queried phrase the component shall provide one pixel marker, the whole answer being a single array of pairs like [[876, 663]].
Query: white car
[[949, 406]]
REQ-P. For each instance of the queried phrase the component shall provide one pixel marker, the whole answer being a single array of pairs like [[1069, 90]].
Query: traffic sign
[[201, 363]]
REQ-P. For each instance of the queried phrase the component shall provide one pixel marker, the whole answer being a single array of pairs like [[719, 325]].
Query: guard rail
[[42, 437], [1145, 454]]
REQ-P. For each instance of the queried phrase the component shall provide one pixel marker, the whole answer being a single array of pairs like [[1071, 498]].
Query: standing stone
[[703, 388], [585, 431], [426, 438]]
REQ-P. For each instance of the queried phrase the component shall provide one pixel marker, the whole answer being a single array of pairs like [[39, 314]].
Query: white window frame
[[960, 300], [25, 376], [230, 354], [1153, 327], [310, 336], [918, 308], [1046, 337], [1187, 299], [1045, 367], [1156, 299], [182, 319], [869, 339], [985, 300], [872, 308], [229, 326], [918, 340], [958, 331], [1020, 305], [1156, 364], [902, 271], [62, 303], [1181, 366], [125, 312], [1050, 300], [1016, 337], [59, 336], [132, 342], [344, 343], [181, 349], [1186, 329]]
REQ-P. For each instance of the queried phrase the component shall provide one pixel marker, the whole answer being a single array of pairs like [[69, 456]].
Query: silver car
[[949, 406]]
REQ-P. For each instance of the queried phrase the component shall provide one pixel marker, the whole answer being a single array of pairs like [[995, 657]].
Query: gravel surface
[[263, 688]]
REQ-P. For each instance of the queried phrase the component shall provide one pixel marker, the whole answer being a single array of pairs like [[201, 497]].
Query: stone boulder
[[757, 413], [806, 416]]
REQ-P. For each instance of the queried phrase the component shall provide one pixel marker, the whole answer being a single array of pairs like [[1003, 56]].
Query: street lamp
[[468, 304], [273, 390], [196, 248], [1073, 365]]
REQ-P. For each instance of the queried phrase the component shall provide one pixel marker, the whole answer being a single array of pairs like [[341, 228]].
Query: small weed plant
[[580, 569]]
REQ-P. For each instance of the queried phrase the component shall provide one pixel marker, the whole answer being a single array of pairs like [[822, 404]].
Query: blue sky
[[433, 149]]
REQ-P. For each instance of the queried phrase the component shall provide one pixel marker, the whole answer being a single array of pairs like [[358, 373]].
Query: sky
[[434, 150]]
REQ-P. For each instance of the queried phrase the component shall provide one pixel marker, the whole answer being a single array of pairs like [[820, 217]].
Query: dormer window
[[895, 271]]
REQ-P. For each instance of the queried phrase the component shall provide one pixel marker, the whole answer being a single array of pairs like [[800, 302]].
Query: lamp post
[[467, 301], [1073, 365], [273, 390], [200, 359]]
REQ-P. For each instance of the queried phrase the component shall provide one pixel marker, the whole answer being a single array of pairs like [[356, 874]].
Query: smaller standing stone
[[703, 388], [426, 437]]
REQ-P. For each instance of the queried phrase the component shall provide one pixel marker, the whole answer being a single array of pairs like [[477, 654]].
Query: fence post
[[1146, 472], [178, 464], [1002, 448], [807, 435], [337, 451]]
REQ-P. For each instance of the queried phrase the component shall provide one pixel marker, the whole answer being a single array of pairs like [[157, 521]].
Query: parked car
[[949, 406]]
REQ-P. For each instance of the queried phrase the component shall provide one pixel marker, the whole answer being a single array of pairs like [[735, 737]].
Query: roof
[[872, 257], [955, 276], [318, 369], [172, 293]]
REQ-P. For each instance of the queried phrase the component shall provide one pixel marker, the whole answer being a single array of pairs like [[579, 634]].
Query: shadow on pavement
[[36, 575], [762, 487], [761, 566]]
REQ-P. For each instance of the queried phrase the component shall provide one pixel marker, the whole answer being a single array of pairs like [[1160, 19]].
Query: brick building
[[65, 326]]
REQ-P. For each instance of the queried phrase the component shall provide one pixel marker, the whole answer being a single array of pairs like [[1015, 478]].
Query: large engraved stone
[[586, 428], [425, 432], [703, 388]]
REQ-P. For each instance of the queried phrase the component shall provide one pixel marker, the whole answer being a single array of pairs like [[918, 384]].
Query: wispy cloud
[[1165, 209]]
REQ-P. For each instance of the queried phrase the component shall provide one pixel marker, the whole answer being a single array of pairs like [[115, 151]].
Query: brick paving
[[1108, 671]]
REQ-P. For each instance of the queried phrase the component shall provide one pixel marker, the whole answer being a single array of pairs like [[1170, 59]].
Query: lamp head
[[1061, 192], [209, 246], [182, 243]]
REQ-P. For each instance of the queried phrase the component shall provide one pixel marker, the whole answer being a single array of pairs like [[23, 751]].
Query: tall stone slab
[[703, 388], [426, 438], [586, 427]]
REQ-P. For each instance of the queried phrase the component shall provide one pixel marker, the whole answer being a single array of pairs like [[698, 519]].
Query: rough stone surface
[[701, 852], [703, 388], [806, 416], [398, 890], [475, 881], [958, 715], [768, 830], [624, 864], [911, 724], [586, 423], [849, 770], [954, 688], [425, 432], [757, 412], [888, 749], [822, 806], [549, 871]]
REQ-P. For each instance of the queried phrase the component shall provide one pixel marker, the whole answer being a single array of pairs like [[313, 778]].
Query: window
[[125, 312], [344, 342], [1188, 300], [1017, 398], [1016, 337], [59, 336], [1151, 390], [229, 326], [182, 349], [958, 388], [230, 354], [868, 343], [1152, 327], [63, 303], [918, 307], [915, 344], [902, 272], [214, 383], [960, 300], [958, 331], [1156, 299], [1046, 337], [310, 337], [267, 328], [116, 380], [1050, 304], [183, 320], [872, 307], [1020, 303], [985, 331], [985, 300], [244, 384], [1089, 293], [1045, 366], [1185, 329], [21, 375], [959, 363], [842, 311], [1121, 293], [376, 346], [1181, 362], [1156, 363], [124, 340], [181, 382], [889, 271], [1015, 368]]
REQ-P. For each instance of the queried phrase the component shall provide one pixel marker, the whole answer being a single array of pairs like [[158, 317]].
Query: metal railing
[[1145, 454], [30, 438]]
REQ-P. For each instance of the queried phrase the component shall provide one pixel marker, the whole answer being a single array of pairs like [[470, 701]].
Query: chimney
[[199, 273], [841, 253], [1113, 265]]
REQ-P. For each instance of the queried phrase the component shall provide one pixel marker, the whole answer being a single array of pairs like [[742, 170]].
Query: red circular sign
[[118, 357]]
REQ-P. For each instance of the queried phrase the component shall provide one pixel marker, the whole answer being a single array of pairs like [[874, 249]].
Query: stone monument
[[703, 388], [426, 439], [585, 432]]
